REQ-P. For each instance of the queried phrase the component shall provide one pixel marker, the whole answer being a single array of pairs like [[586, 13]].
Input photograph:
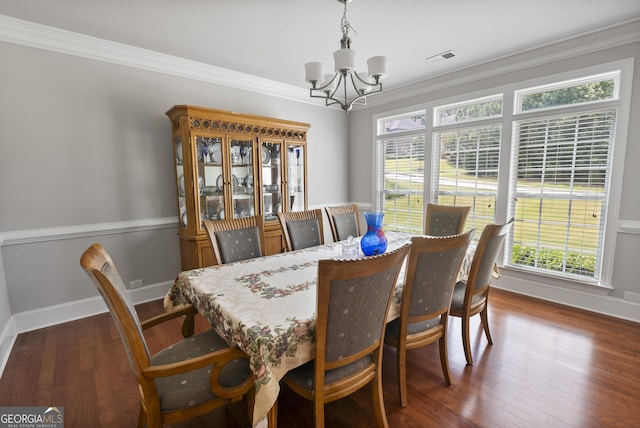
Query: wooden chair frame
[[473, 287], [94, 260], [213, 226], [447, 209], [328, 271], [405, 341], [285, 217], [344, 209]]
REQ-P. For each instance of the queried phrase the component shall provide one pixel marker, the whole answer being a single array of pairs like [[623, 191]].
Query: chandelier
[[335, 89]]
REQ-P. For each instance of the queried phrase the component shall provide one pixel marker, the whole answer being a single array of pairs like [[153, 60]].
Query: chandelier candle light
[[330, 87]]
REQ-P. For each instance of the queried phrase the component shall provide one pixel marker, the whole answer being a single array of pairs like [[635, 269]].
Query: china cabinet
[[234, 165]]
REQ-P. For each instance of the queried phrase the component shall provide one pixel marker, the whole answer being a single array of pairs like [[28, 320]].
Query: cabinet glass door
[[182, 206], [210, 178], [296, 186], [242, 171], [270, 156]]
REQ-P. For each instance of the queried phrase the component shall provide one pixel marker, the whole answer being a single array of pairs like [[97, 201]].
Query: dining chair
[[344, 221], [431, 274], [353, 299], [236, 239], [471, 297], [442, 220], [185, 380], [302, 229]]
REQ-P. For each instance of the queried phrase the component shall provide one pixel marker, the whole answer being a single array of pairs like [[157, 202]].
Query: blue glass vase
[[373, 242]]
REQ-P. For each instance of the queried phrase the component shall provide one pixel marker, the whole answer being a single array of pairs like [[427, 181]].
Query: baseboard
[[7, 339], [593, 302], [71, 311]]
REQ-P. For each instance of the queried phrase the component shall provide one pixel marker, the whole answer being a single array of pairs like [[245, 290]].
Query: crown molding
[[590, 42], [26, 33]]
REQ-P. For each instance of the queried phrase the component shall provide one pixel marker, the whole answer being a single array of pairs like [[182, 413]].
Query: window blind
[[558, 194], [465, 171], [400, 183]]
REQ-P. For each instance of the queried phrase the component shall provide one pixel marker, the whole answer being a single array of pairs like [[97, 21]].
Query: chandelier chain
[[345, 25]]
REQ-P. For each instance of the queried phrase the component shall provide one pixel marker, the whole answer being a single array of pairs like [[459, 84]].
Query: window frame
[[509, 117]]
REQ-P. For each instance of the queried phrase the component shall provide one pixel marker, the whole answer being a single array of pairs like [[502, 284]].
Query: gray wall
[[625, 277], [86, 156]]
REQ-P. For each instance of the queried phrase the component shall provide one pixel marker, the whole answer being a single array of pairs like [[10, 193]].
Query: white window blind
[[465, 171], [559, 191], [400, 183]]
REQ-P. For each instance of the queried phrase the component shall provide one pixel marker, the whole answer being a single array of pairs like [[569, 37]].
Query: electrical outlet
[[136, 284], [634, 297]]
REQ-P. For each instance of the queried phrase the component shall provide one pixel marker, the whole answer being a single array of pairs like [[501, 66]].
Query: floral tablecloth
[[266, 306]]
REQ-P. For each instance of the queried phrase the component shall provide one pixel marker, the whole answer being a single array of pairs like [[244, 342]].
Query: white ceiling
[[273, 39]]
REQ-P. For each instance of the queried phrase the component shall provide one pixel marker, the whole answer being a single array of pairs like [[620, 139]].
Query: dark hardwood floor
[[550, 366]]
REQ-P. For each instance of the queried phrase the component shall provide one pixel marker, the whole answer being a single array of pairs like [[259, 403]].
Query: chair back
[[443, 220], [353, 302], [344, 221], [102, 271], [484, 259], [432, 272], [236, 239], [302, 229]]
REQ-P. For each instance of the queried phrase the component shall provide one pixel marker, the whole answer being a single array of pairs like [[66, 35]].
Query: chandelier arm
[[330, 94], [377, 83]]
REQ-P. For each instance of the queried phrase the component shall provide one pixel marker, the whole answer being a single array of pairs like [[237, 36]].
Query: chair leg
[[444, 358], [319, 413], [402, 375], [466, 341], [378, 401], [484, 318]]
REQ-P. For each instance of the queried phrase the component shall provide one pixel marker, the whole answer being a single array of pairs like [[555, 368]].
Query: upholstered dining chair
[[353, 298], [344, 221], [471, 297], [431, 274], [443, 220], [302, 229], [185, 380], [236, 239]]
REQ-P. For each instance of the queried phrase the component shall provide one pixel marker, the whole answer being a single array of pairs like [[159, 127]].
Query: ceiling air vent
[[442, 56]]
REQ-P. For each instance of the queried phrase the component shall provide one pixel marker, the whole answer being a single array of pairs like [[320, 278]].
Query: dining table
[[267, 306]]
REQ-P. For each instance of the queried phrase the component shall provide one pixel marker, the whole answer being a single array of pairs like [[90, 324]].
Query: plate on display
[[266, 156], [219, 182], [249, 180], [235, 181], [215, 151]]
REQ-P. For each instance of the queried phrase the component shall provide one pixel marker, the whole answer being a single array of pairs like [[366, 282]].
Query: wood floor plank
[[550, 366]]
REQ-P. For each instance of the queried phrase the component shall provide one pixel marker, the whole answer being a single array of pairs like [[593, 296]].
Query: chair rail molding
[[629, 226], [86, 230]]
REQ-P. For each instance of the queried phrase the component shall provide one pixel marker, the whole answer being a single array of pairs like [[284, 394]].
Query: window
[[400, 184], [560, 175], [466, 158], [549, 165]]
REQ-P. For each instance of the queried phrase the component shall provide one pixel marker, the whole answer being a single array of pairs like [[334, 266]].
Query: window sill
[[585, 286]]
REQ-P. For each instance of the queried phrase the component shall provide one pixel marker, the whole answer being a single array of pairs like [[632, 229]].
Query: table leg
[[272, 416], [188, 325]]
